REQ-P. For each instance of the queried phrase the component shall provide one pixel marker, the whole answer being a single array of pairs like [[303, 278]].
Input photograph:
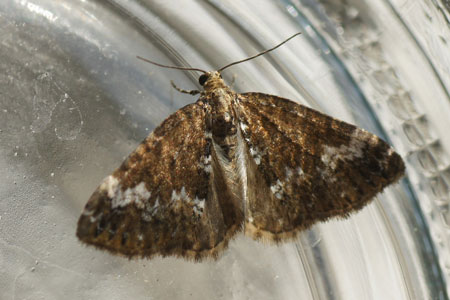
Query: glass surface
[[75, 102]]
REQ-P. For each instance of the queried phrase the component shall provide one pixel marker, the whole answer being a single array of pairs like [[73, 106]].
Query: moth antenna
[[170, 67], [259, 54]]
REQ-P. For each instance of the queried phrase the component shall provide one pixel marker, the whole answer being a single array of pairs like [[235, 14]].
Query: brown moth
[[233, 162]]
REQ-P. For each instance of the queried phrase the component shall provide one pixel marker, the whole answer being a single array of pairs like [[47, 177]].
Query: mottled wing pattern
[[304, 167], [164, 199]]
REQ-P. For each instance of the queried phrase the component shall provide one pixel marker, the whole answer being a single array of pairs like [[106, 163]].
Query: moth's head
[[210, 79]]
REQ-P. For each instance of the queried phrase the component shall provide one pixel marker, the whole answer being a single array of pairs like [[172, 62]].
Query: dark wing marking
[[304, 167], [164, 199]]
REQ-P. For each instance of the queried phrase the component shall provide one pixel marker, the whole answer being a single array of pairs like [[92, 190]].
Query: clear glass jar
[[75, 102]]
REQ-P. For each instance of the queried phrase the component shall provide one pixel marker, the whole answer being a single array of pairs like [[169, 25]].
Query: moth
[[233, 162]]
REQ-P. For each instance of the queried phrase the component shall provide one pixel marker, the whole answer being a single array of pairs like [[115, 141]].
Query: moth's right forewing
[[304, 166]]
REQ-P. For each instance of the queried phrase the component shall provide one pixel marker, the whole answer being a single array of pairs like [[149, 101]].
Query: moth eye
[[202, 79]]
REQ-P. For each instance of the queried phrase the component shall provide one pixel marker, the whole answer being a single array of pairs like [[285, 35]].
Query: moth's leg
[[192, 92]]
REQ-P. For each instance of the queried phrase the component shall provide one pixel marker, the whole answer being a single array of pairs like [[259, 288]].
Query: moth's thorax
[[214, 82], [221, 119], [218, 95]]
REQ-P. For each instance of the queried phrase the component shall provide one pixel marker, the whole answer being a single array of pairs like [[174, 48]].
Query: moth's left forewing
[[304, 166], [164, 199]]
